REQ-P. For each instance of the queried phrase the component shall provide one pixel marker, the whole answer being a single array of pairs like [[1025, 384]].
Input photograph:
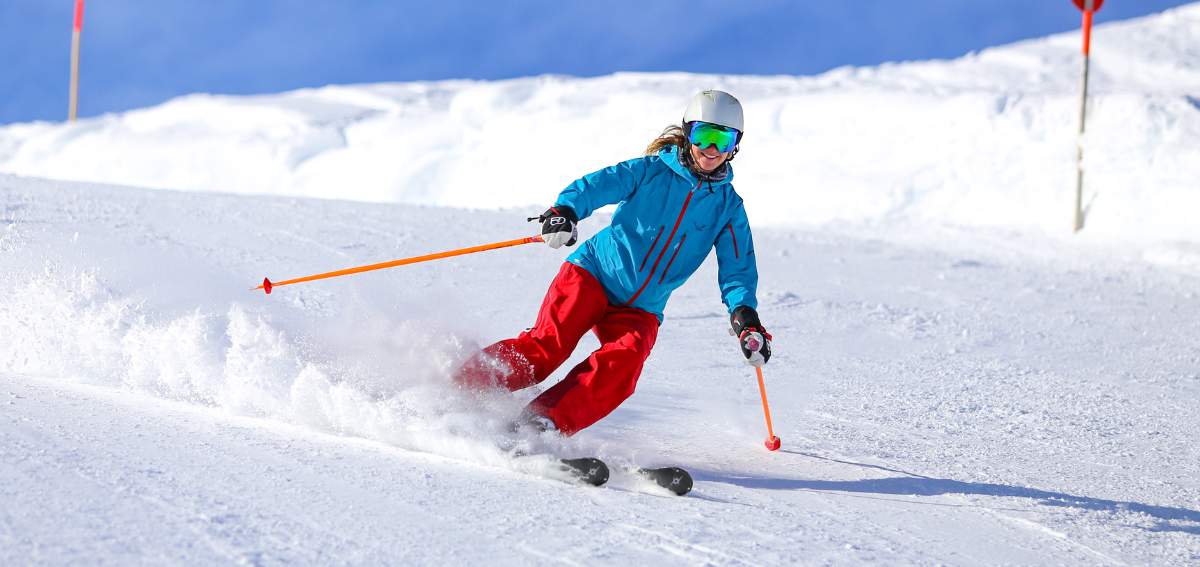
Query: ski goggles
[[705, 134]]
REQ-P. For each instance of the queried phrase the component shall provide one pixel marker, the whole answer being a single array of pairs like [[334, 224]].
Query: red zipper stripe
[[651, 249], [667, 269], [734, 237], [665, 246]]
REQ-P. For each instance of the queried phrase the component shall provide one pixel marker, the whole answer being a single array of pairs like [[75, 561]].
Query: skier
[[675, 204]]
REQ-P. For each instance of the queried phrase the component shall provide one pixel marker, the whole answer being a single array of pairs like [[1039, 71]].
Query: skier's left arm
[[737, 275], [608, 186]]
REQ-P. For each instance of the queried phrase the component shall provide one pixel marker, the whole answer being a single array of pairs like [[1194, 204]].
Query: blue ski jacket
[[666, 223]]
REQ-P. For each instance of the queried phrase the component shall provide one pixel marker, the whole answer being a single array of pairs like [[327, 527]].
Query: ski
[[674, 479], [588, 470]]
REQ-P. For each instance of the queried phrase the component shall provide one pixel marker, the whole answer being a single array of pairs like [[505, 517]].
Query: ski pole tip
[[773, 443], [266, 285]]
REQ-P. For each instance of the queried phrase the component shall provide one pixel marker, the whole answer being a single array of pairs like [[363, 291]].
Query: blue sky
[[141, 52]]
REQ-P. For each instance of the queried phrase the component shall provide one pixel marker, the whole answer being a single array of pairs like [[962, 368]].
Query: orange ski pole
[[268, 285], [772, 441]]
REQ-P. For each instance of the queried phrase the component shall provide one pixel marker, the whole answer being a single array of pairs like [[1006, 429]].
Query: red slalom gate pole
[[772, 443], [268, 285], [78, 29], [1088, 7]]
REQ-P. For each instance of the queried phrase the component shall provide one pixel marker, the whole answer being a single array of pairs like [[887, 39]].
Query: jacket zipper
[[667, 269], [651, 249], [675, 228]]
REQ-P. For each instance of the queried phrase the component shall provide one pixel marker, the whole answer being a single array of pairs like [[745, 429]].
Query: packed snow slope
[[985, 140], [943, 397]]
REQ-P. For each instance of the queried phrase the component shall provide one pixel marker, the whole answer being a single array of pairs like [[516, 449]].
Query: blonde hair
[[671, 136]]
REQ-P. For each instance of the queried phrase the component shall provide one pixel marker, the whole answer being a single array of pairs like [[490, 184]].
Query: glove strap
[[554, 212], [758, 330]]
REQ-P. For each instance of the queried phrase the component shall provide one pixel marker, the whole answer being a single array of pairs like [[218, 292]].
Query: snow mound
[[984, 140]]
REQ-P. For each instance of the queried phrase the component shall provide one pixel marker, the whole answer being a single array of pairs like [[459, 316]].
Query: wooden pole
[[1083, 96], [74, 104]]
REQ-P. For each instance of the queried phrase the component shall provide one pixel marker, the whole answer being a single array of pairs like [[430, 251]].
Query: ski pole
[[772, 441], [268, 285]]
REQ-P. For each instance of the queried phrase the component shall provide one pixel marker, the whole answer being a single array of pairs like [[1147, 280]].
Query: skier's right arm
[[608, 186]]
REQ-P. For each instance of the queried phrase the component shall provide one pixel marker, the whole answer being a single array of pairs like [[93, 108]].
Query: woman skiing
[[675, 205]]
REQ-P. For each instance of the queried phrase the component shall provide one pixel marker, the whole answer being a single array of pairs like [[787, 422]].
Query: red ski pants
[[574, 304]]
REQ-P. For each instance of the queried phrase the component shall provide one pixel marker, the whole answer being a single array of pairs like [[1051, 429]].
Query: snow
[[956, 381], [964, 405]]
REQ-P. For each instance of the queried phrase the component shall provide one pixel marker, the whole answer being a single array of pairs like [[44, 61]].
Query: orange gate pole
[[74, 104], [1088, 7]]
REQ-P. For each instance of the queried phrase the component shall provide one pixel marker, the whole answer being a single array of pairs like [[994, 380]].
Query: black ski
[[588, 470], [674, 479]]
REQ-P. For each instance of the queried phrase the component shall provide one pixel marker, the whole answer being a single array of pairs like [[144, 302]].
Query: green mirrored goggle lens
[[704, 135]]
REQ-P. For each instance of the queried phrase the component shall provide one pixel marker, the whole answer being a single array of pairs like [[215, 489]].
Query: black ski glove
[[754, 340], [558, 226]]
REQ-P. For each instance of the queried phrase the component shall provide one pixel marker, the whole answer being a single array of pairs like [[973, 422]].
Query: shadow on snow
[[917, 485]]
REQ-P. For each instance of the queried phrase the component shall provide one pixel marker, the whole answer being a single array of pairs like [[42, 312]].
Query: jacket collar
[[670, 156]]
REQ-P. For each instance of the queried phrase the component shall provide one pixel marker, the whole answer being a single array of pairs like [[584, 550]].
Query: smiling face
[[708, 159]]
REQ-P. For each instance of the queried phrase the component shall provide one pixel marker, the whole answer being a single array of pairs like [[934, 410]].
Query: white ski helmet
[[715, 107]]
